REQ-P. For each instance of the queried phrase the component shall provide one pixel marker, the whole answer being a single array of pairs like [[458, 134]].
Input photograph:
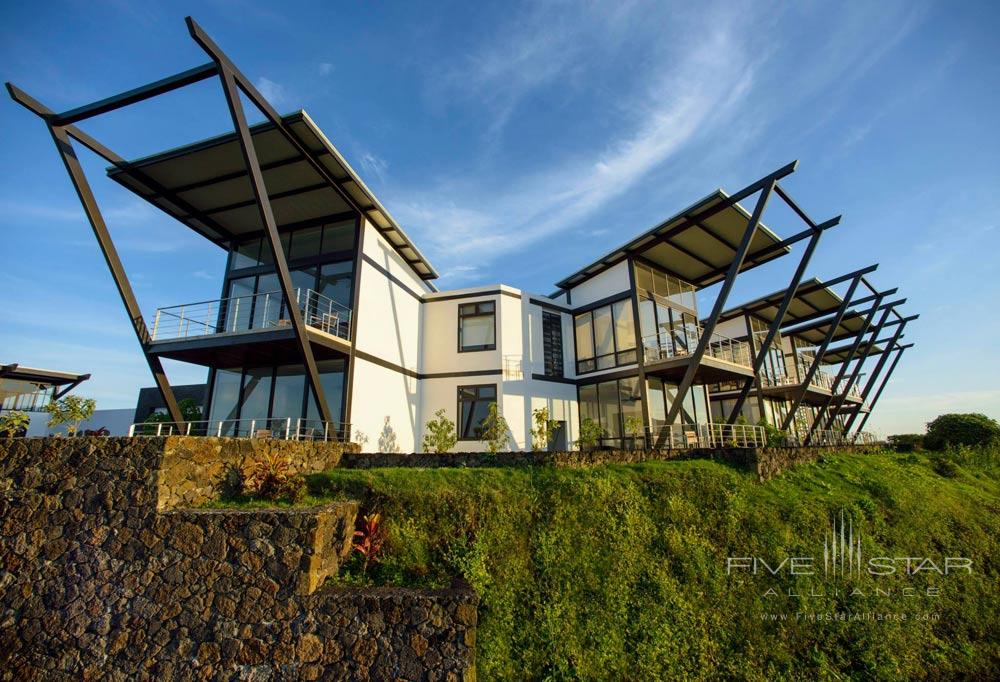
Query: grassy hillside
[[619, 572]]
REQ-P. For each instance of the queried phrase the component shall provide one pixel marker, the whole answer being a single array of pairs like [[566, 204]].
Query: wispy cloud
[[325, 68], [272, 92], [374, 166]]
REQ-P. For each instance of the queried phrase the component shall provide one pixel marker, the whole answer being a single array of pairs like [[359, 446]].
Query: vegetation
[[973, 430], [544, 429], [190, 412], [268, 479], [775, 436], [619, 572], [71, 410], [441, 435], [591, 434], [14, 423], [494, 431], [906, 442], [633, 428]]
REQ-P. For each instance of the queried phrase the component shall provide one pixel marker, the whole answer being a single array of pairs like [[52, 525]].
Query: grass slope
[[619, 572]]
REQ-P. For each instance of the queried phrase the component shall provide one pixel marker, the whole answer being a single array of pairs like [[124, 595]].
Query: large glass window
[[335, 282], [289, 390], [610, 404], [225, 399], [246, 255], [605, 337], [473, 407], [477, 326], [268, 302], [239, 305], [256, 396], [338, 237], [305, 243], [668, 317], [331, 377]]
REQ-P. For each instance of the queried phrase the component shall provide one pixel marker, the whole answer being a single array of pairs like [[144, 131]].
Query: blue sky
[[516, 142]]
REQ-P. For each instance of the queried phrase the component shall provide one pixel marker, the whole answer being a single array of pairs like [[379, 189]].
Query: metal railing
[[708, 436], [28, 402], [250, 312], [664, 345], [279, 429]]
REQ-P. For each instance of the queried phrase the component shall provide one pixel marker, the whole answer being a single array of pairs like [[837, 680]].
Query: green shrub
[[906, 442], [946, 467], [591, 434], [231, 483], [975, 430], [14, 423], [544, 429], [774, 436], [494, 431], [71, 410], [441, 436]]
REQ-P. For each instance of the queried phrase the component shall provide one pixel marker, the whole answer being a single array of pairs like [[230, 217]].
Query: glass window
[[477, 326], [335, 282], [331, 377], [607, 393], [305, 242], [246, 255], [584, 336], [588, 403], [657, 407], [604, 339], [267, 302], [624, 325], [631, 401], [473, 407], [643, 278], [225, 400], [552, 350], [289, 390], [238, 307], [256, 397], [338, 237]]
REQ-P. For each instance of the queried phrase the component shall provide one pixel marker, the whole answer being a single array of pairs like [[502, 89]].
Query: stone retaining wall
[[99, 581]]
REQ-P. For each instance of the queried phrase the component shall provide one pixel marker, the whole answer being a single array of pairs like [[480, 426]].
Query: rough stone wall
[[770, 462], [96, 582], [191, 464]]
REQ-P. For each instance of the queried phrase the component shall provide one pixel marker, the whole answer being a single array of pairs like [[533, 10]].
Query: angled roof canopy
[[812, 298], [849, 327], [210, 180], [835, 356], [18, 380], [696, 251]]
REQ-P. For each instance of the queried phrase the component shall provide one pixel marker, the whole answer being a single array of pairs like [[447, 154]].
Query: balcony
[[277, 429], [667, 354], [249, 329], [714, 435]]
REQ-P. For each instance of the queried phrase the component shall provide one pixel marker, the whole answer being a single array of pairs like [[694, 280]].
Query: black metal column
[[640, 355], [760, 355], [885, 381], [811, 372], [266, 215], [875, 374], [720, 302]]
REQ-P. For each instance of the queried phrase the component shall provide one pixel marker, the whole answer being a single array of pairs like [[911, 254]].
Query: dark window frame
[[553, 356], [492, 314], [622, 356], [458, 413]]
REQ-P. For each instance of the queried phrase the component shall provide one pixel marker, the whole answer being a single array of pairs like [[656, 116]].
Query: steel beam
[[761, 354], [892, 343], [266, 215], [885, 381], [814, 366], [640, 356], [56, 395], [866, 325], [720, 301], [160, 87]]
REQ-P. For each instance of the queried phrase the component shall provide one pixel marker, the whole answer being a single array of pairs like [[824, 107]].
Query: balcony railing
[[250, 312], [708, 436], [280, 429], [665, 346]]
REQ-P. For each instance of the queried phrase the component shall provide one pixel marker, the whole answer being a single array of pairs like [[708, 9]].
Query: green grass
[[619, 572]]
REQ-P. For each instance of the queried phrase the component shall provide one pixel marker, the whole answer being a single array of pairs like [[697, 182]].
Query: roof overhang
[[697, 251], [19, 380], [210, 179], [850, 326], [812, 298]]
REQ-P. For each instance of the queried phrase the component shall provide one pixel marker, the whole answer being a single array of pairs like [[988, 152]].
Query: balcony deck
[[724, 360], [249, 330]]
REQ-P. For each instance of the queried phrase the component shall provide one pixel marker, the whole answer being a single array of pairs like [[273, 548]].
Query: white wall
[[612, 281], [379, 393]]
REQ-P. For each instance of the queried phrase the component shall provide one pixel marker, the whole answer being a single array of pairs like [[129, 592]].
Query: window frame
[[476, 313], [556, 367], [458, 411], [620, 357]]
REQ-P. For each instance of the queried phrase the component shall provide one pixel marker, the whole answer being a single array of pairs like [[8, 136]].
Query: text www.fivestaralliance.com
[[848, 616]]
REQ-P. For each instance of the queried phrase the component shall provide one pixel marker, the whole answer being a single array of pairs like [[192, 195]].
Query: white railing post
[[208, 318], [219, 434], [180, 322], [236, 313], [253, 428], [326, 431], [288, 427], [156, 326], [131, 430], [159, 428]]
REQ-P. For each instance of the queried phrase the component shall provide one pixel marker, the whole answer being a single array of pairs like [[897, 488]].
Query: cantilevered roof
[[697, 252], [205, 185], [20, 380], [812, 298], [834, 356], [815, 332]]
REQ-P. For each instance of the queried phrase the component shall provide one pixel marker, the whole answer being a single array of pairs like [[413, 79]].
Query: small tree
[[962, 429], [441, 435], [775, 436], [591, 433], [544, 430], [633, 427], [71, 410], [493, 430], [14, 423]]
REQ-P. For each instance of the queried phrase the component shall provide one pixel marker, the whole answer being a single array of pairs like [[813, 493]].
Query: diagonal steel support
[[760, 354], [839, 397], [885, 381], [866, 325], [69, 387], [266, 215], [814, 366], [720, 303], [892, 343]]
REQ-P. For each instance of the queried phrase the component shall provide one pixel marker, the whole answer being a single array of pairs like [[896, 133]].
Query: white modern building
[[329, 325]]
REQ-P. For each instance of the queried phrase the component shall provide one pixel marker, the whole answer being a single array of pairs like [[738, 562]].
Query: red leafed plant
[[368, 539]]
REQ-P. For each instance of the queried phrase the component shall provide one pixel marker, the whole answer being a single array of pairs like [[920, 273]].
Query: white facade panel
[[384, 408], [612, 281]]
